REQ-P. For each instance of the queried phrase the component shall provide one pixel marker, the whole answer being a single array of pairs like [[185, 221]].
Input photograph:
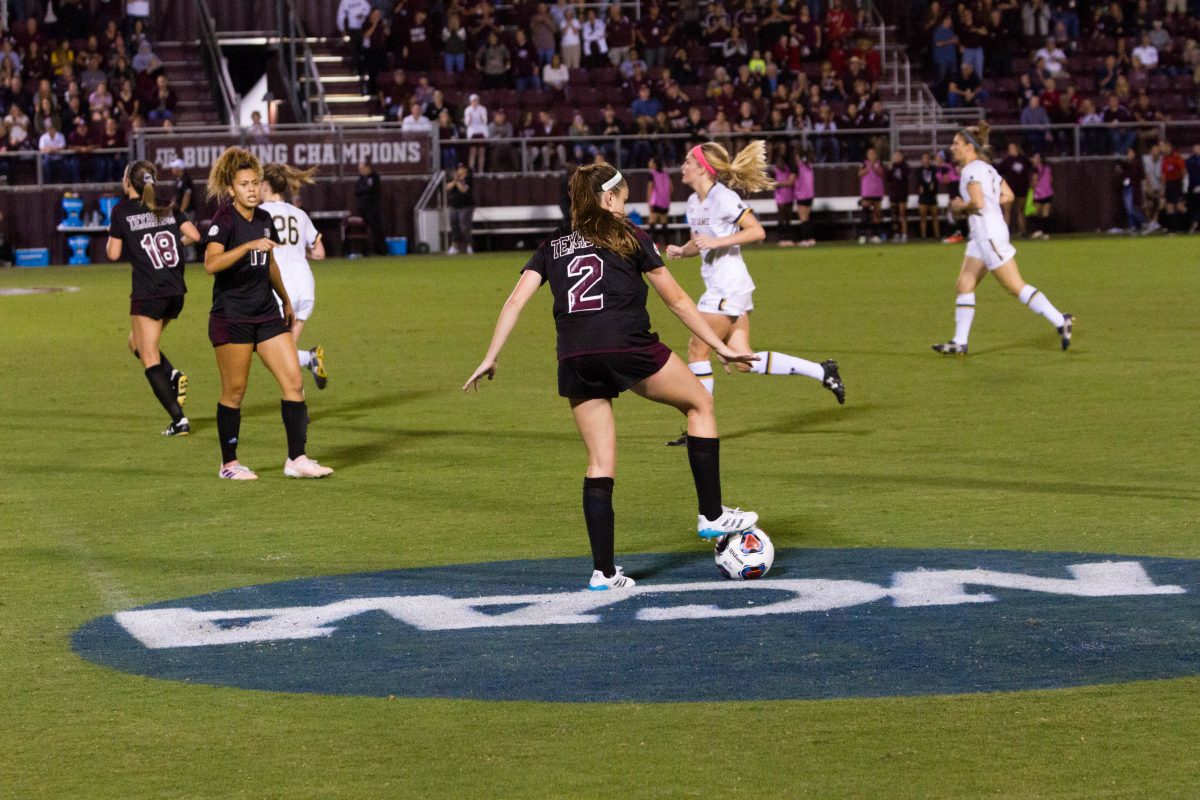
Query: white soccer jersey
[[988, 223], [298, 235], [723, 269]]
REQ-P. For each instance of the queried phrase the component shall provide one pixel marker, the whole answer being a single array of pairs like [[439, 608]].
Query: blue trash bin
[[397, 245]]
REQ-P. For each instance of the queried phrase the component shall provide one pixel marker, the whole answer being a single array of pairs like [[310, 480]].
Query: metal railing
[[299, 68], [217, 65], [430, 224], [71, 168]]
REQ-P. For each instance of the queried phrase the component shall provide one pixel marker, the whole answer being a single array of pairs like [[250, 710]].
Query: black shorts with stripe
[[606, 375]]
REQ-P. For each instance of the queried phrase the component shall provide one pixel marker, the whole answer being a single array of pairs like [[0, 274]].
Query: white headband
[[611, 182]]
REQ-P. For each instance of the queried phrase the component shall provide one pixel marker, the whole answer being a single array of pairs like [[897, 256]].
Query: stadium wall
[[1086, 199], [32, 214]]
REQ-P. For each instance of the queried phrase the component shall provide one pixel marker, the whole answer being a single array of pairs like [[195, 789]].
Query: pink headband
[[698, 153]]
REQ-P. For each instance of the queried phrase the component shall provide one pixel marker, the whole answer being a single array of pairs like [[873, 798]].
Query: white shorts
[[992, 252], [733, 305], [302, 292]]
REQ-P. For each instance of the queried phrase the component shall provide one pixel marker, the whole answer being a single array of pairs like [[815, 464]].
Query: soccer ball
[[744, 556]]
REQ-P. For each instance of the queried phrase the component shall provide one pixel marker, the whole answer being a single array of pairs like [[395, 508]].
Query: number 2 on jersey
[[589, 269], [161, 249]]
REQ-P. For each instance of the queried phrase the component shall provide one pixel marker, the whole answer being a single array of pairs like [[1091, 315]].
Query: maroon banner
[[335, 152]]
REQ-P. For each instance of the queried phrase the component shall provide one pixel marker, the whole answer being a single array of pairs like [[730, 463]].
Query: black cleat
[[1065, 331], [316, 366], [950, 349], [680, 442], [833, 381], [181, 428], [179, 384]]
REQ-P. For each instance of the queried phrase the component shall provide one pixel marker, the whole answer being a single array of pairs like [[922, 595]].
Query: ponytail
[[286, 180], [593, 221], [142, 176], [977, 137], [746, 172]]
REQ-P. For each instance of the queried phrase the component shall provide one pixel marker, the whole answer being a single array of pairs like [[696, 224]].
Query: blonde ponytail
[[746, 172]]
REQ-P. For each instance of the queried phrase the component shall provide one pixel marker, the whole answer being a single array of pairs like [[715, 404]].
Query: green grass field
[[1017, 447]]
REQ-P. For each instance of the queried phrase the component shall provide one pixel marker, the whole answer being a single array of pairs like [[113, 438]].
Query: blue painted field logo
[[825, 623]]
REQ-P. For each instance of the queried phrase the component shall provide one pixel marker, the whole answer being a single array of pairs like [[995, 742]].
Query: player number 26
[[589, 269]]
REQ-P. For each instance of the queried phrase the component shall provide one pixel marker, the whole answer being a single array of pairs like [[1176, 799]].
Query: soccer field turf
[[1017, 447]]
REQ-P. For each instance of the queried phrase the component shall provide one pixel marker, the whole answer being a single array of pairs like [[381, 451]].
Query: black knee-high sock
[[160, 382], [229, 424], [295, 422], [704, 456], [162, 359], [598, 514]]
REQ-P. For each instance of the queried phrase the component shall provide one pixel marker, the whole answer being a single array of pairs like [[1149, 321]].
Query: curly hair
[[226, 168]]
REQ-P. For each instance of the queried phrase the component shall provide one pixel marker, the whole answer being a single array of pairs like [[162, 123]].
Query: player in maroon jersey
[[156, 236], [245, 315], [597, 270]]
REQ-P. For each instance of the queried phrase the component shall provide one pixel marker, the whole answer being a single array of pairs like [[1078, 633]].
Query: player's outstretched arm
[[688, 250], [525, 289], [682, 306]]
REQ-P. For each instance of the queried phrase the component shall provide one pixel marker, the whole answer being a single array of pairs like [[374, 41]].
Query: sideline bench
[[544, 219]]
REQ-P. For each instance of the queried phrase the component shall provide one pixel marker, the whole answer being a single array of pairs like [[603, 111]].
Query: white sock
[[1040, 304], [305, 357], [964, 315], [703, 371], [772, 363]]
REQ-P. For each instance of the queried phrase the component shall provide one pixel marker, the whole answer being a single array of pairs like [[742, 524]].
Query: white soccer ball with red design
[[745, 556]]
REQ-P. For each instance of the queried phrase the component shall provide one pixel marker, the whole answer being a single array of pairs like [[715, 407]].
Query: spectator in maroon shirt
[[717, 25], [525, 67], [161, 103], [1115, 113], [619, 34], [839, 22], [653, 36], [808, 32], [81, 141], [417, 53]]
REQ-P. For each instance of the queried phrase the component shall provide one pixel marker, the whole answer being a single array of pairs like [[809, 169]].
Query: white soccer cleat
[[619, 580], [734, 520], [305, 467], [237, 472]]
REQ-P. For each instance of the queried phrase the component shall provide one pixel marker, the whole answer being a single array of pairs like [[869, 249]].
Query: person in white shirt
[[475, 122], [50, 145], [721, 223], [595, 45], [351, 16], [570, 45], [415, 122], [983, 200], [1056, 59], [1146, 53], [299, 241]]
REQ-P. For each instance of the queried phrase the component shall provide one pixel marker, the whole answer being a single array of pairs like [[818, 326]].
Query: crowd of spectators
[[1101, 65], [74, 84], [566, 69]]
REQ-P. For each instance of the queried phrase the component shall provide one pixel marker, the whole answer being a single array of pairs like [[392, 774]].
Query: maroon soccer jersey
[[243, 292], [599, 296], [153, 246]]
